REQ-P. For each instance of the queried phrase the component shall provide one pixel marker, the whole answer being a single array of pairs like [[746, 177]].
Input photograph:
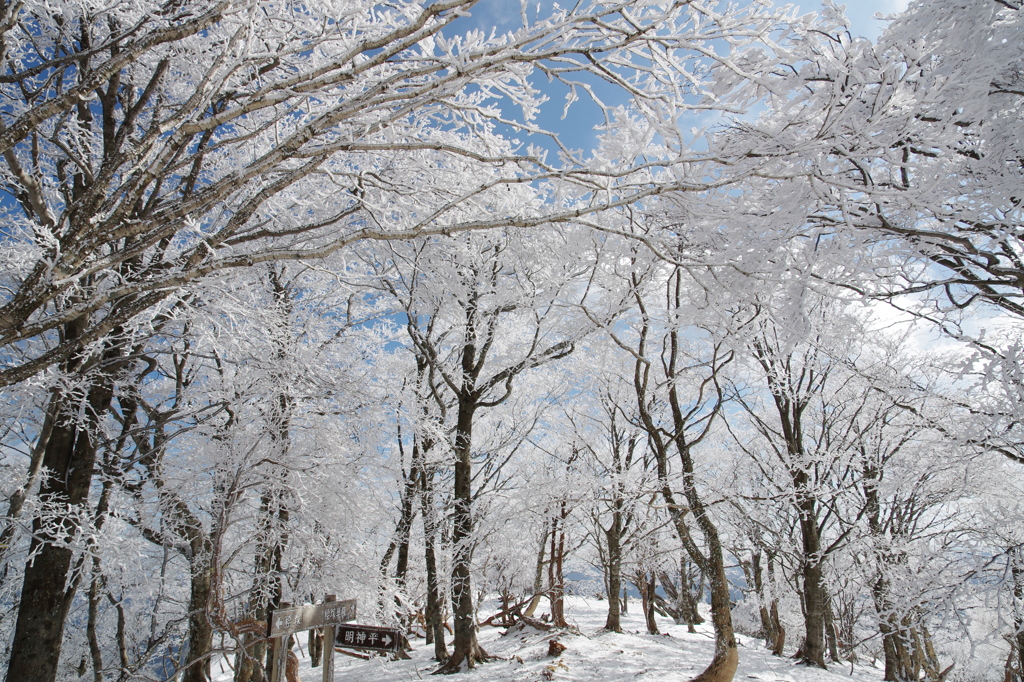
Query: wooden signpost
[[288, 620]]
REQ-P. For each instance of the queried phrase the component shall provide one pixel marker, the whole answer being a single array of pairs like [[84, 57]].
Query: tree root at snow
[[722, 668]]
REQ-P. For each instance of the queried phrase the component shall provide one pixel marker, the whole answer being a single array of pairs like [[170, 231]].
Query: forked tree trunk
[[646, 583], [897, 646], [556, 574], [683, 603], [711, 562]]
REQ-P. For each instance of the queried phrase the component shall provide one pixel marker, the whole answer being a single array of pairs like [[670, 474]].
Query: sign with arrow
[[286, 621], [370, 637]]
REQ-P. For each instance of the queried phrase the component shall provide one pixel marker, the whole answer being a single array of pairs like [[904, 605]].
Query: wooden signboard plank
[[287, 621], [369, 637]]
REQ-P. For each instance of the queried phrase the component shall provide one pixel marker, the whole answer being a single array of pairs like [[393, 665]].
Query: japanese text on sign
[[286, 621]]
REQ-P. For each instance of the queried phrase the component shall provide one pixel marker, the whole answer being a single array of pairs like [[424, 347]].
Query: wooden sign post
[[328, 651], [288, 620]]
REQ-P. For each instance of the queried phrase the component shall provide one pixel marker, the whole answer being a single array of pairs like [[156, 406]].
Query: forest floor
[[592, 655]]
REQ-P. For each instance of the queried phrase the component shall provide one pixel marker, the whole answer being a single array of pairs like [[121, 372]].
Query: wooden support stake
[[327, 647], [278, 654]]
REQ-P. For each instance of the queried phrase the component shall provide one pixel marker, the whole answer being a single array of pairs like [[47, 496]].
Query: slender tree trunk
[[556, 575], [779, 643], [434, 626], [712, 564], [400, 541], [767, 627], [896, 646], [253, 662], [538, 575], [16, 502], [272, 526], [613, 569], [465, 648], [95, 651], [830, 631]]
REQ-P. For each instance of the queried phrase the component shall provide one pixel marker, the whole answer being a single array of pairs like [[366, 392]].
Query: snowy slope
[[591, 655]]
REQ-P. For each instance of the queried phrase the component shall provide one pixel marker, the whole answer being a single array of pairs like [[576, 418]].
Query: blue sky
[[577, 130]]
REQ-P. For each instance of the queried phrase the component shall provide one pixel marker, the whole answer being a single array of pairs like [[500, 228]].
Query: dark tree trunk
[[70, 457], [465, 648], [407, 513], [777, 643], [200, 627], [613, 569], [1016, 555], [813, 647], [646, 583], [680, 603], [265, 594], [434, 626], [690, 592], [897, 646]]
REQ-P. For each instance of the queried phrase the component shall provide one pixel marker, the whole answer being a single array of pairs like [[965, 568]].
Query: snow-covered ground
[[591, 655]]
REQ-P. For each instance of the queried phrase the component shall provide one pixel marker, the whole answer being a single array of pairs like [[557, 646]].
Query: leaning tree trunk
[[712, 563], [70, 456], [399, 545], [16, 501]]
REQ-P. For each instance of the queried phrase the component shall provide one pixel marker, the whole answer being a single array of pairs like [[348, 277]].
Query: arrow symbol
[[386, 640]]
